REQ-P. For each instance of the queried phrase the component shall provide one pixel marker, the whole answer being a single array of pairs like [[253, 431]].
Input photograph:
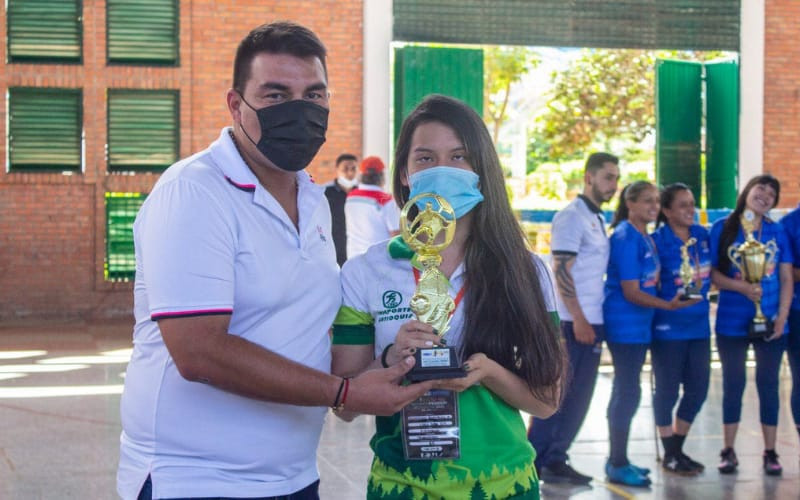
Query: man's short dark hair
[[372, 177], [345, 157], [596, 161], [281, 37]]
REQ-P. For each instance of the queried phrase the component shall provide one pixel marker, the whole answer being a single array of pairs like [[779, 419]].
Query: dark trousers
[[310, 492], [676, 363], [732, 355], [626, 392], [552, 437], [793, 353]]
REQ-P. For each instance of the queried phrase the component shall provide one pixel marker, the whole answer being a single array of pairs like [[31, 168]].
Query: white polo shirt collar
[[240, 176]]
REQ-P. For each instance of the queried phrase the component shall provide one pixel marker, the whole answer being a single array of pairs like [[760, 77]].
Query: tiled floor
[[59, 430]]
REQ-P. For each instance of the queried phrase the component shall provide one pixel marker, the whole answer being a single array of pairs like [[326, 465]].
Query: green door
[[419, 71], [678, 123], [722, 133]]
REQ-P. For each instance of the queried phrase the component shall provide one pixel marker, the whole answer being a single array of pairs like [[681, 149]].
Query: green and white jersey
[[497, 459]]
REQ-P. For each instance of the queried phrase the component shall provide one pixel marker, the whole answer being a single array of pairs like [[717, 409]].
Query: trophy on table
[[430, 232], [752, 258], [690, 289]]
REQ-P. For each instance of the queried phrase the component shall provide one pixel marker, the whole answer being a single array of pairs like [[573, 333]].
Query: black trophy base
[[760, 329], [691, 293], [436, 363]]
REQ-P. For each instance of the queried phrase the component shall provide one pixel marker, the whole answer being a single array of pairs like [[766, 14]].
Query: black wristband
[[335, 404], [384, 354]]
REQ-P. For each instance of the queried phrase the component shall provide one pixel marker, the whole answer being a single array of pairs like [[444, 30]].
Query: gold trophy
[[751, 258], [428, 234], [690, 289]]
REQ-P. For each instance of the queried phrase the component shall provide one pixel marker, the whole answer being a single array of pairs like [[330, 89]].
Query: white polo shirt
[[211, 240], [371, 216], [579, 230]]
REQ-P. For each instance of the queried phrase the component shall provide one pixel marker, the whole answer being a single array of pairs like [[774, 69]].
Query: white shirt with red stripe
[[371, 215], [211, 240]]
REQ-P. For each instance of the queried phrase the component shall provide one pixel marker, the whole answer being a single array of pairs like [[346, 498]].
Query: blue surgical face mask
[[456, 185]]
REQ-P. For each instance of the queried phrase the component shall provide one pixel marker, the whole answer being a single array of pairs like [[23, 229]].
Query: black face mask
[[291, 132]]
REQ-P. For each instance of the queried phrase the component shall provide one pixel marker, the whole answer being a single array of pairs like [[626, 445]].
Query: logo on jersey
[[392, 299]]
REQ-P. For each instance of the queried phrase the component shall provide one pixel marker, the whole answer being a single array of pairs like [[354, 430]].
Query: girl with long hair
[[680, 350], [736, 310], [630, 300], [505, 328]]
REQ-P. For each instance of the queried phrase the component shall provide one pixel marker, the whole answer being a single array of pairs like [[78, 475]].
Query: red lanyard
[[456, 301]]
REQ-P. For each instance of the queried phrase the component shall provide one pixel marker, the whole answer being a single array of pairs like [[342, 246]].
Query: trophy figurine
[[428, 234], [690, 289], [751, 258]]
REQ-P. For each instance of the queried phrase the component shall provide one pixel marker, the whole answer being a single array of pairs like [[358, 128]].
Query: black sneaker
[[728, 461], [562, 472], [695, 465], [771, 465], [678, 464]]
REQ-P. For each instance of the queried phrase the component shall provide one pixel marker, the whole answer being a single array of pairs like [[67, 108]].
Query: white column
[[377, 81], [751, 90]]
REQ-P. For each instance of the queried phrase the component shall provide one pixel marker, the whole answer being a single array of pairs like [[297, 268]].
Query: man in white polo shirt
[[580, 248], [371, 214], [236, 288]]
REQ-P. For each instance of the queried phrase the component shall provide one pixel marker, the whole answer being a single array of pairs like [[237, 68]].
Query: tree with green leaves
[[503, 66]]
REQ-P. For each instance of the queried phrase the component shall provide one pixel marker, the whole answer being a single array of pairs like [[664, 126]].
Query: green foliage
[[477, 492], [603, 95], [503, 66]]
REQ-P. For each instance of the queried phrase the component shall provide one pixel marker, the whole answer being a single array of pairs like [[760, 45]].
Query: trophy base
[[436, 363], [760, 329], [691, 294]]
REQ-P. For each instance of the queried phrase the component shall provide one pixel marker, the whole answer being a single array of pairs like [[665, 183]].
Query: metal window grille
[[44, 30], [121, 210], [142, 31]]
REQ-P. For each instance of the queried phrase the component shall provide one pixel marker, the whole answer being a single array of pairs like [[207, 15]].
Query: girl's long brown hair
[[505, 317]]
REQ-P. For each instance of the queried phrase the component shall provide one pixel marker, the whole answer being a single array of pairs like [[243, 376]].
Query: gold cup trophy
[[688, 273], [430, 232], [752, 258]]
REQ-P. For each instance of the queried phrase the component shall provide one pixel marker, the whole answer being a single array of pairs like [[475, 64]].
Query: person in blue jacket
[[681, 350], [630, 299], [791, 224], [736, 310]]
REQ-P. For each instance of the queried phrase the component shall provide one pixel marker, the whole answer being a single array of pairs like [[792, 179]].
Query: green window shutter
[[121, 210], [142, 129], [44, 31], [142, 31], [44, 129], [679, 115], [420, 71]]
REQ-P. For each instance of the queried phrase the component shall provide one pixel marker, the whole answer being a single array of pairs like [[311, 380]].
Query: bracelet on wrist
[[336, 402], [344, 388], [384, 354]]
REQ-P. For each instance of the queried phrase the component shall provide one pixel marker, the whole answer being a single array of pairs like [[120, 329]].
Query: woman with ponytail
[[630, 299], [680, 351]]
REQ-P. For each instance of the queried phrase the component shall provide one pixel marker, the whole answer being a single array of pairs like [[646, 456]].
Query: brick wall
[[52, 226], [782, 97]]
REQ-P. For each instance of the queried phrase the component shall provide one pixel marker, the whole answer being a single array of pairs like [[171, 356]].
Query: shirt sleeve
[[625, 255], [186, 248], [564, 233], [354, 325], [391, 216], [716, 233], [784, 246]]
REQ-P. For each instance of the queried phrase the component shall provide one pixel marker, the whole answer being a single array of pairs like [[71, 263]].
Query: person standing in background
[[336, 192], [791, 224], [630, 300], [736, 310], [580, 255], [370, 212], [681, 349]]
